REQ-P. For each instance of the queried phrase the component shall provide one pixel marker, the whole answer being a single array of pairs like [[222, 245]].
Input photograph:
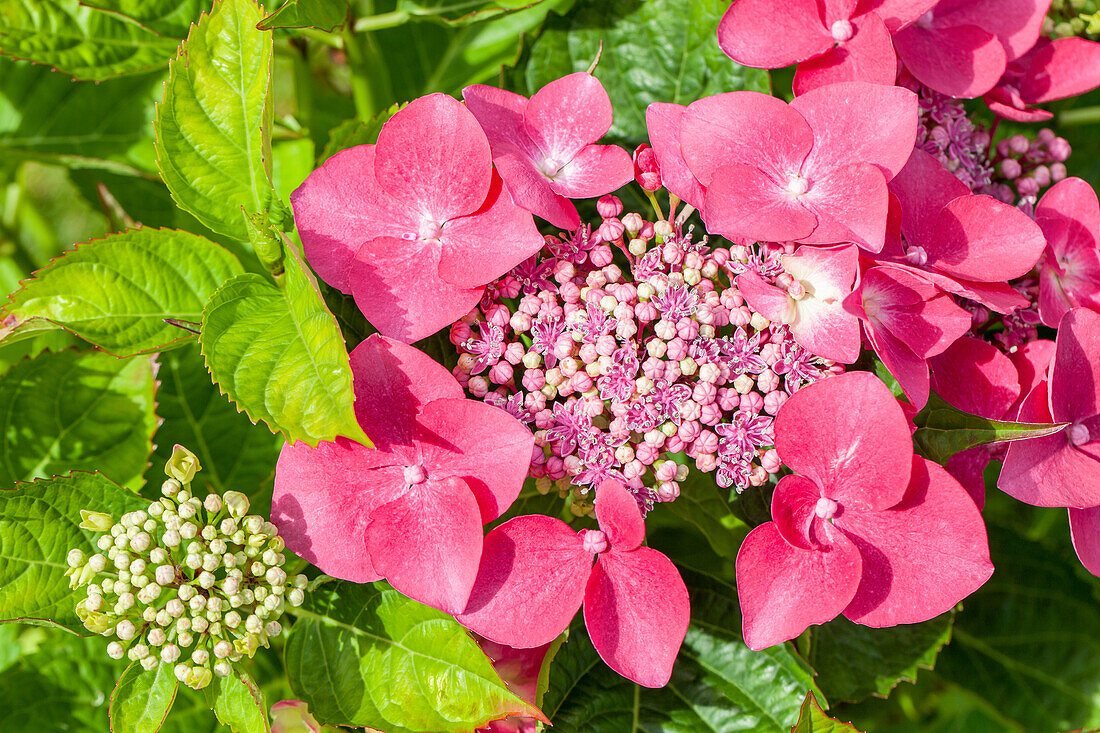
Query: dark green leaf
[[366, 655], [117, 292], [39, 524], [653, 51], [945, 430], [854, 661], [141, 700], [169, 18], [328, 15], [718, 683], [213, 128], [73, 410], [83, 42], [279, 355], [812, 719], [356, 132], [701, 506]]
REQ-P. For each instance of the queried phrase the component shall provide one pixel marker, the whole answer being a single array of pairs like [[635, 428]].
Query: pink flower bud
[[1027, 186], [581, 382], [520, 322], [767, 381], [1019, 144], [689, 430], [601, 255], [633, 469], [668, 490], [711, 414], [647, 171], [501, 373], [752, 402], [676, 349], [460, 333], [674, 444], [478, 386], [498, 315], [609, 206], [770, 461], [774, 400], [1059, 149], [687, 328], [706, 462], [633, 221], [646, 312], [564, 271], [1011, 168]]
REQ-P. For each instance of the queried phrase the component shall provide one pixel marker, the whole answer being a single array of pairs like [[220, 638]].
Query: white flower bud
[[189, 531], [229, 560], [139, 581], [213, 503], [170, 487], [270, 557], [115, 650], [122, 560], [149, 525], [215, 604], [236, 600], [158, 555], [257, 569], [122, 542], [253, 523], [185, 639], [239, 538], [157, 637], [211, 562], [149, 593], [174, 608], [75, 558], [230, 585], [137, 566], [223, 668], [215, 629], [237, 503], [218, 546], [186, 624], [181, 671], [193, 561], [105, 542], [172, 521], [248, 596], [259, 593], [186, 592], [94, 602], [199, 625], [164, 574], [223, 649], [273, 628], [171, 538], [125, 630], [227, 527], [275, 576], [163, 618], [97, 563], [301, 581], [278, 589], [149, 663], [200, 656], [186, 511], [149, 615], [274, 604], [296, 597], [120, 587], [197, 603], [137, 652], [232, 620], [156, 509], [183, 497], [125, 601], [252, 624], [206, 579]]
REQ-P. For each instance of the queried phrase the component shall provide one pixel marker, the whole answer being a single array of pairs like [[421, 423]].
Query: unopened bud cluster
[[196, 584], [627, 348]]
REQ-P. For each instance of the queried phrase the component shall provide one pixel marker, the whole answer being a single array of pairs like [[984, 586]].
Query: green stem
[[1083, 116], [377, 22], [361, 91]]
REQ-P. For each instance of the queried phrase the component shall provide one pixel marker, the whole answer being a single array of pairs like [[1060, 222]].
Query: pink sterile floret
[[1069, 273], [814, 171], [543, 146], [1064, 67], [411, 509], [414, 226], [865, 528], [536, 572]]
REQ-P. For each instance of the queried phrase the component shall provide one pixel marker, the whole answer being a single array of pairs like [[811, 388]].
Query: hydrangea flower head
[[411, 509], [863, 528], [536, 572], [1069, 273], [416, 225], [544, 146]]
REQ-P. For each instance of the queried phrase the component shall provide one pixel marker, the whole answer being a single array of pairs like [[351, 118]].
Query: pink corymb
[[411, 509], [536, 572], [1069, 273], [814, 171], [544, 146], [416, 225], [1064, 67], [864, 528]]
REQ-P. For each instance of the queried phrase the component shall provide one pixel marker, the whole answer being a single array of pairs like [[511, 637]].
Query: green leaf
[[213, 128], [653, 51], [328, 15], [367, 655], [812, 719], [169, 18], [457, 12], [82, 42], [233, 453], [718, 683], [81, 411], [238, 703], [702, 507], [117, 292], [279, 355], [141, 700], [356, 132], [1027, 644], [853, 661], [945, 430], [39, 524]]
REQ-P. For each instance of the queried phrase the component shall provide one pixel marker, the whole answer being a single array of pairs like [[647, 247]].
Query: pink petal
[[922, 556], [1032, 361], [531, 190], [983, 239], [500, 114], [663, 122], [755, 33], [923, 187], [914, 311], [1075, 377], [907, 367], [1065, 67], [427, 543], [772, 302], [1005, 102], [619, 516], [1016, 23], [1000, 297], [396, 285], [859, 122], [961, 61], [323, 501], [850, 203], [392, 382], [594, 171], [974, 376], [784, 590], [968, 468], [530, 584], [794, 502], [483, 445], [899, 13], [820, 323], [848, 435], [867, 56], [567, 114], [1049, 471], [637, 610], [340, 206], [1084, 527], [745, 128], [743, 201], [485, 245], [1069, 214], [433, 157]]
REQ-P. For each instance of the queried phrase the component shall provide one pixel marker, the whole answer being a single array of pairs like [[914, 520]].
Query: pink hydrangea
[[1069, 273], [536, 572], [544, 147], [864, 527], [1051, 70], [411, 509], [414, 226]]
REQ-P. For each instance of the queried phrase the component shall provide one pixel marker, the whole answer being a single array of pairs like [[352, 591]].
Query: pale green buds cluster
[[197, 584]]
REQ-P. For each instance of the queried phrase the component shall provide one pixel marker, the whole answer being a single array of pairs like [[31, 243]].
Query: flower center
[[826, 508], [797, 185], [415, 475], [917, 256], [925, 21], [550, 168], [430, 230], [841, 31], [595, 541], [1078, 434]]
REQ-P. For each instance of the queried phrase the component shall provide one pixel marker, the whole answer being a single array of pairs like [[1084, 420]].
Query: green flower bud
[[236, 503], [183, 465], [149, 663], [95, 521]]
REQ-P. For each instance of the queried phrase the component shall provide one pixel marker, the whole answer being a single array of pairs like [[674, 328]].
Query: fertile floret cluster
[[197, 584], [617, 369]]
